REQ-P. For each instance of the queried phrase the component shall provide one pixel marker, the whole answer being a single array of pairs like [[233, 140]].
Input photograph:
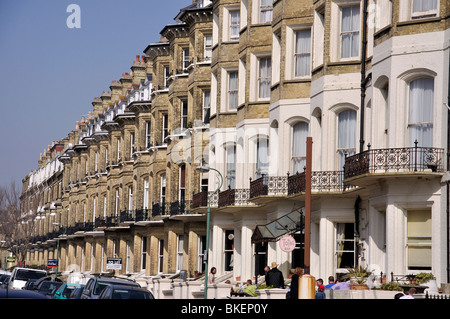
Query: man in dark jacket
[[274, 277]]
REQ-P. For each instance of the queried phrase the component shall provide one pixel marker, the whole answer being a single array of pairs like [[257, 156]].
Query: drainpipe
[[363, 75]]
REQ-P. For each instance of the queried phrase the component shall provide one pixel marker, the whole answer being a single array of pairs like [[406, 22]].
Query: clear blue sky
[[51, 73]]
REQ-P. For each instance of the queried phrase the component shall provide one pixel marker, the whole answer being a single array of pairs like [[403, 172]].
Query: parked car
[[20, 276], [65, 290], [95, 286], [29, 285], [76, 293], [125, 292], [46, 287], [4, 280], [19, 294]]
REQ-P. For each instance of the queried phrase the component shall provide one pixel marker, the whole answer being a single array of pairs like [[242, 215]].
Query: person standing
[[410, 294], [330, 282], [294, 283], [320, 294], [275, 277]]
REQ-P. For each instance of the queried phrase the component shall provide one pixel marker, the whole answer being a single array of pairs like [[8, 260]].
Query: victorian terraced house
[[239, 85]]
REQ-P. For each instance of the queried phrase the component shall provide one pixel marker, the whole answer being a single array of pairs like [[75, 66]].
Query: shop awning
[[276, 229]]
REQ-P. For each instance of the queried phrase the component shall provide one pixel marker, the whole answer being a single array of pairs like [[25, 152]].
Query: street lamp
[[205, 169]]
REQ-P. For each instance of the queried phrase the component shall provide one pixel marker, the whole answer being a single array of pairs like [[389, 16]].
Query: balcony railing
[[160, 209], [390, 160], [269, 185], [180, 207], [321, 181], [200, 199], [234, 197]]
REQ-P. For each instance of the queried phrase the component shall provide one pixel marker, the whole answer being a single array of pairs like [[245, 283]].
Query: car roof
[[124, 287], [117, 280], [19, 294]]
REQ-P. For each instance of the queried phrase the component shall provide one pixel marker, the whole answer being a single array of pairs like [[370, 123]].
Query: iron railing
[[404, 159], [234, 197], [269, 185], [200, 199], [321, 181]]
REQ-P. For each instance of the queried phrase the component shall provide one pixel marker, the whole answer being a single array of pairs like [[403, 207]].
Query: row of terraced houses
[[239, 85]]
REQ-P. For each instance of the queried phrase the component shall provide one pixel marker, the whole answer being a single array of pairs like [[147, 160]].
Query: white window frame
[[146, 193], [186, 61], [302, 54], [180, 252], [353, 32], [132, 140], [207, 48], [144, 240], [148, 131], [166, 75], [230, 91], [160, 256], [301, 157], [165, 128], [264, 9], [340, 151], [230, 175], [206, 106], [130, 198], [184, 114], [419, 106], [427, 13], [265, 79]]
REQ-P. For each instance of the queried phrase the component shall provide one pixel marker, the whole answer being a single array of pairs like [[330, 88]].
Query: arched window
[[346, 136], [262, 157], [420, 119], [299, 135], [231, 166]]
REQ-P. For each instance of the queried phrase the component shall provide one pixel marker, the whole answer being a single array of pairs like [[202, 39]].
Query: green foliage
[[423, 277], [392, 286]]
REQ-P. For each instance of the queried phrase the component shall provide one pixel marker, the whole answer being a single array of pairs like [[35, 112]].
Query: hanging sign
[[287, 243]]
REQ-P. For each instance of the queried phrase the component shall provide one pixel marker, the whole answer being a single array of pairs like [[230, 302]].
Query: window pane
[[303, 53], [350, 32], [421, 99], [265, 73], [419, 233], [299, 135], [346, 135]]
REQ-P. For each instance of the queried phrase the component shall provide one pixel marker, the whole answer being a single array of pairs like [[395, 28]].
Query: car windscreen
[[68, 291], [48, 286], [24, 274], [103, 284], [130, 294]]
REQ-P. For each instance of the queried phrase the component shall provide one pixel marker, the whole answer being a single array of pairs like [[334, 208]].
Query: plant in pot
[[358, 277], [427, 280]]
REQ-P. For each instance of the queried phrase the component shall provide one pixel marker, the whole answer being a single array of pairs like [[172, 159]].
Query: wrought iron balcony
[[160, 209], [180, 207], [394, 160], [321, 181], [269, 185], [234, 197], [200, 199]]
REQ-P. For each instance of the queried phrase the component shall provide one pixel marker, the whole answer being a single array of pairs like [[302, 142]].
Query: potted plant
[[427, 280], [358, 277]]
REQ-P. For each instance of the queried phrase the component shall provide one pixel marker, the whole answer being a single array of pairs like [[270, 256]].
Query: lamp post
[[205, 169]]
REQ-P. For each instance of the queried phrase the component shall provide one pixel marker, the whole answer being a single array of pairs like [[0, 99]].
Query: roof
[[284, 225]]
